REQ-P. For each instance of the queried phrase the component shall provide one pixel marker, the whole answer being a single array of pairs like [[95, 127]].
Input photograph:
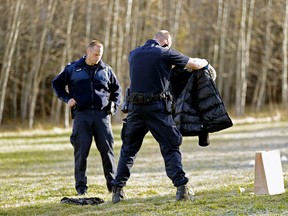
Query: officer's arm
[[196, 63], [58, 84], [115, 90]]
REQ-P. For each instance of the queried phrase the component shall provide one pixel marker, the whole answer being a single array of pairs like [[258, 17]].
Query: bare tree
[[217, 33], [124, 74], [178, 8], [35, 71], [223, 34], [108, 21], [262, 81], [8, 56], [243, 57], [220, 31], [241, 84], [285, 59], [88, 20]]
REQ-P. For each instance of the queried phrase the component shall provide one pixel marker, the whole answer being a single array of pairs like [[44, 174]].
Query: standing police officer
[[149, 110], [94, 93]]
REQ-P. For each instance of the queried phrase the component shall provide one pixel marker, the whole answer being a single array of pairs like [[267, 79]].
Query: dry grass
[[36, 171]]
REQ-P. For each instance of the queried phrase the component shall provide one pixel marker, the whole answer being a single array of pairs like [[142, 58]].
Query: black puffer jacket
[[198, 107]]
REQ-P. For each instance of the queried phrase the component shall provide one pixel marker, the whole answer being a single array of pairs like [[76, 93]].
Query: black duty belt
[[138, 98]]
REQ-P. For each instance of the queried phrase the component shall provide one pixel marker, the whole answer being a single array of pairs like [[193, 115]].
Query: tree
[[36, 75], [285, 59], [243, 57], [40, 37], [9, 51]]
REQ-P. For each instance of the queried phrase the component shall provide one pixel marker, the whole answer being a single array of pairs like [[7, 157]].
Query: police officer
[[94, 93], [149, 110]]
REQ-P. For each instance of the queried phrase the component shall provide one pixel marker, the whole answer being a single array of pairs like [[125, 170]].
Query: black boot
[[117, 194], [204, 140], [81, 191], [183, 193]]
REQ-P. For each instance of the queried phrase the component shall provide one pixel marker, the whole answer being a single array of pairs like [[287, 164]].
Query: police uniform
[[94, 89], [150, 68]]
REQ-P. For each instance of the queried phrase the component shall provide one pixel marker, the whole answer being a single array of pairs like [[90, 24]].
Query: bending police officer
[[149, 110]]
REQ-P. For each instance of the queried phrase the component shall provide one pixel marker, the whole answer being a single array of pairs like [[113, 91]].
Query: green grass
[[36, 172]]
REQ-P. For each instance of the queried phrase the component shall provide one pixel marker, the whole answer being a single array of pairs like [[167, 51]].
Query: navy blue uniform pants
[[89, 124], [153, 118]]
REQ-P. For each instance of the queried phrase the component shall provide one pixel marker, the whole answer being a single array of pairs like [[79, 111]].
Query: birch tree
[[243, 57], [241, 84], [223, 35]]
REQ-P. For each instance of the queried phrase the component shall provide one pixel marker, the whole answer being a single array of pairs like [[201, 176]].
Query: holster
[[73, 109], [126, 101], [168, 102]]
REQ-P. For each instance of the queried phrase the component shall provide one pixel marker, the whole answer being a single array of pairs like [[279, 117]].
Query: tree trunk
[[88, 21], [216, 36], [8, 56], [38, 60], [125, 74], [223, 34], [285, 60], [266, 61], [227, 74], [69, 54], [135, 26], [114, 34], [108, 30], [241, 84], [176, 22]]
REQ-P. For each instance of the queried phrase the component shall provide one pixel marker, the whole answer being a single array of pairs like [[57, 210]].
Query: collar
[[152, 41], [81, 62]]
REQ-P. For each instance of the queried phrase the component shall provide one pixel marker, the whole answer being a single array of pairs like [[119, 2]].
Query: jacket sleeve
[[199, 107], [115, 89], [210, 104], [59, 84]]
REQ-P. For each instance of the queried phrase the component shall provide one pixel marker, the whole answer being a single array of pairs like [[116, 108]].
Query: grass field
[[36, 172]]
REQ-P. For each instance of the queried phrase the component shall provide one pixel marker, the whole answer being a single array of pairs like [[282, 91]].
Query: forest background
[[244, 40]]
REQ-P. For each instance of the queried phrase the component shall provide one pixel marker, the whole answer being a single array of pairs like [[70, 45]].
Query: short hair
[[95, 43], [163, 34]]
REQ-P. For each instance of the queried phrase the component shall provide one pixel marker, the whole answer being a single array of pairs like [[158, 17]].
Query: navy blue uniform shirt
[[150, 67]]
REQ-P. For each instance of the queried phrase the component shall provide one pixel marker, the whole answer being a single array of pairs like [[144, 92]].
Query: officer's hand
[[71, 103]]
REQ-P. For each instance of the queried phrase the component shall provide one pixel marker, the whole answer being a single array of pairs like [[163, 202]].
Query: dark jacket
[[89, 91], [198, 107]]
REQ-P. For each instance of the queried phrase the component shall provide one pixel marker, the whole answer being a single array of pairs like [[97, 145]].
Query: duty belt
[[138, 98]]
